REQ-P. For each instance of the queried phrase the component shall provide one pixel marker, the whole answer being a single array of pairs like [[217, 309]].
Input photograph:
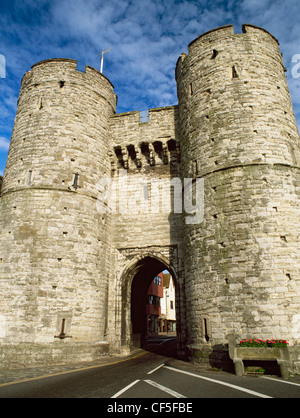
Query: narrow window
[[234, 72], [191, 89], [75, 181], [29, 177], [63, 323], [214, 54], [62, 332], [205, 329], [195, 167]]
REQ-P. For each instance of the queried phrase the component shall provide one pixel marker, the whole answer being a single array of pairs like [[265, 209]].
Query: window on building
[[154, 300], [157, 280]]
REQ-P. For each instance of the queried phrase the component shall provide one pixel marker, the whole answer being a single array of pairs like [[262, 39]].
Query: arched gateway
[[135, 281]]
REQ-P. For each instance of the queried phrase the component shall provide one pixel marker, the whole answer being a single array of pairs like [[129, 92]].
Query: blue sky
[[146, 38]]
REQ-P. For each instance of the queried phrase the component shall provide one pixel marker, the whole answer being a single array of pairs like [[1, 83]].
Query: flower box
[[258, 353], [256, 342], [259, 350]]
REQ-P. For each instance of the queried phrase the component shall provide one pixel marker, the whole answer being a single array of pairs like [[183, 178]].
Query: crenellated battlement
[[64, 65], [149, 141], [223, 40], [58, 72], [226, 31]]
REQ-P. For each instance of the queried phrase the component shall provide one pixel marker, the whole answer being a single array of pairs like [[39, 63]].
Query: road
[[152, 376]]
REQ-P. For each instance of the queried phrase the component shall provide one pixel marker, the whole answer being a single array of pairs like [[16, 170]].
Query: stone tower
[[238, 132], [55, 244], [74, 278]]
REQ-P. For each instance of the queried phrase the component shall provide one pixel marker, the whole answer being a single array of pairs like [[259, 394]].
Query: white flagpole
[[102, 59]]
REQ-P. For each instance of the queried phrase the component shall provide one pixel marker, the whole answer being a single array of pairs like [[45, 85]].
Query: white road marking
[[219, 382], [165, 389], [241, 389], [124, 389], [156, 368], [280, 381]]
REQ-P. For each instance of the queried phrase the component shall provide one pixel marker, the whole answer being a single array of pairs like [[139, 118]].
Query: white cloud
[[4, 144]]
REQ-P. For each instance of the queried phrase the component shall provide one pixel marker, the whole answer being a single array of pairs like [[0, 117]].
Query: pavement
[[17, 375]]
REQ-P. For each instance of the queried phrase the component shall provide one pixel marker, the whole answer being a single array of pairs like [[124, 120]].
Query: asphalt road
[[152, 376]]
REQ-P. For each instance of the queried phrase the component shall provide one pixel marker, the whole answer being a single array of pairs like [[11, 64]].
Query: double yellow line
[[30, 379]]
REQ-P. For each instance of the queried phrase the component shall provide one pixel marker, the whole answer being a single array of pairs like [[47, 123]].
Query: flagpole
[[102, 59]]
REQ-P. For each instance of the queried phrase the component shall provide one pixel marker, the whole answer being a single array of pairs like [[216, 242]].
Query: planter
[[239, 354], [256, 353]]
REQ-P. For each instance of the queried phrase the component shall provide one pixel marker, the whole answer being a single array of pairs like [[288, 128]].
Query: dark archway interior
[[146, 269]]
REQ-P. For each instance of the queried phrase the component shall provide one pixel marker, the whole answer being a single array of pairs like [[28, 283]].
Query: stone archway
[[135, 282]]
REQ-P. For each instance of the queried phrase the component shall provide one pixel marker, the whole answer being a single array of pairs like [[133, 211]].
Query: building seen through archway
[[160, 307], [152, 302]]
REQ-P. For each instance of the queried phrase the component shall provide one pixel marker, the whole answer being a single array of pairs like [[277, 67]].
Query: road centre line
[[241, 389], [125, 389], [165, 389], [156, 368]]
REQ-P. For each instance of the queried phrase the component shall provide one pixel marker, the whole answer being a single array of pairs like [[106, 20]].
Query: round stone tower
[[238, 133], [55, 245]]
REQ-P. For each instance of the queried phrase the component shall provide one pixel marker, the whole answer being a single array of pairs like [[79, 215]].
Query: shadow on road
[[163, 345]]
